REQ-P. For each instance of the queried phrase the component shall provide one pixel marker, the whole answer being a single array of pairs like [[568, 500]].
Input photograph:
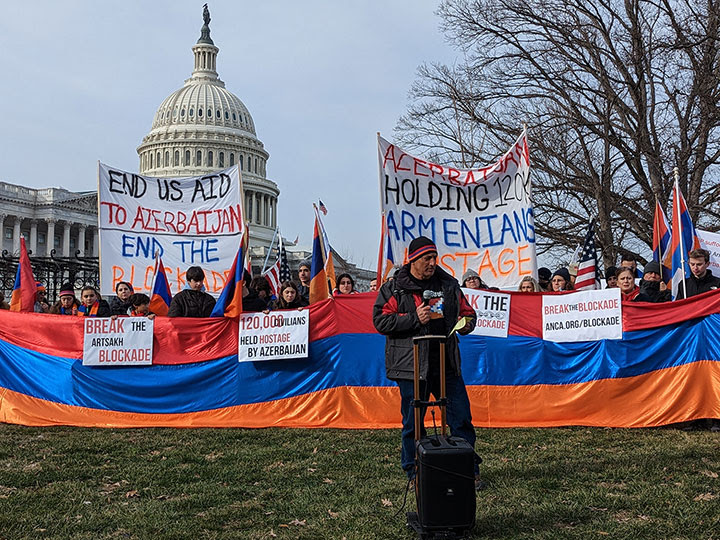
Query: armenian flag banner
[[665, 369]]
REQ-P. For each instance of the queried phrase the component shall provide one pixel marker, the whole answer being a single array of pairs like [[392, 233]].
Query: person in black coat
[[652, 288], [701, 279], [192, 302], [120, 304]]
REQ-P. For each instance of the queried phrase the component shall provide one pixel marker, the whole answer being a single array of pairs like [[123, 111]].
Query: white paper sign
[[492, 310], [711, 242], [278, 335], [480, 219], [582, 316], [125, 341], [194, 221]]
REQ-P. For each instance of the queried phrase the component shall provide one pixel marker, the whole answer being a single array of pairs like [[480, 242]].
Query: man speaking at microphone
[[423, 299]]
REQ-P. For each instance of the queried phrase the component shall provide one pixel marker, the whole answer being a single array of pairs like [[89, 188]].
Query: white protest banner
[[278, 335], [480, 219], [711, 242], [194, 221], [125, 341], [492, 310], [582, 316]]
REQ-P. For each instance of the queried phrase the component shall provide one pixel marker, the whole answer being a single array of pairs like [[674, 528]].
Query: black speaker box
[[445, 484]]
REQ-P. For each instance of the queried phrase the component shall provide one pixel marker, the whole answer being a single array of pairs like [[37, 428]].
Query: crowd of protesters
[[194, 301]]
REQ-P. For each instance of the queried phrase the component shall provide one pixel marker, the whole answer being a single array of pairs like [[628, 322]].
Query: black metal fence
[[52, 272]]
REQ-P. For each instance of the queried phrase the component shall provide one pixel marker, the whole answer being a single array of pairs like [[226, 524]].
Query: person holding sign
[[192, 302], [424, 299], [289, 297], [92, 305], [120, 304], [139, 306]]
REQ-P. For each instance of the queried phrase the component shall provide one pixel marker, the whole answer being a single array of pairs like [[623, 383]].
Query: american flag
[[280, 271], [322, 207], [587, 265]]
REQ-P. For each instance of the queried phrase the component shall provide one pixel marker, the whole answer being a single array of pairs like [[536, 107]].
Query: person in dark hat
[[472, 280], [652, 288], [560, 280], [544, 275], [403, 310]]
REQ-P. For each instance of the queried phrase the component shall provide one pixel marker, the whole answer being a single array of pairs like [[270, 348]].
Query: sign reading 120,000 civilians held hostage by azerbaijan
[[479, 219], [273, 336], [190, 221], [125, 341], [582, 316]]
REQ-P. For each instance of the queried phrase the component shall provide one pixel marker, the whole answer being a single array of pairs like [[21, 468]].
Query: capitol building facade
[[198, 129]]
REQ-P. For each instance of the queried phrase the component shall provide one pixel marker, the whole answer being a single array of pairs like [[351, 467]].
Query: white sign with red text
[[279, 335], [195, 221], [493, 312], [582, 316], [711, 242], [480, 219], [125, 341]]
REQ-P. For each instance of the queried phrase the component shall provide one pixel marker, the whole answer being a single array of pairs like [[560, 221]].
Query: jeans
[[459, 418]]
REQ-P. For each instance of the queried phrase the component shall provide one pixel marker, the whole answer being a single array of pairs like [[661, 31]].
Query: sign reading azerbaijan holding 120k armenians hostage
[[194, 221], [479, 219]]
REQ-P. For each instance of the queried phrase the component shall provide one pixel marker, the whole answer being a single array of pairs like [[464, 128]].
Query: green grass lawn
[[315, 484]]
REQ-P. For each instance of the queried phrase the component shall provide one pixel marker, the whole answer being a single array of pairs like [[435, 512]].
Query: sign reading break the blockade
[[279, 335], [492, 310], [582, 316], [194, 221], [479, 219], [125, 341]]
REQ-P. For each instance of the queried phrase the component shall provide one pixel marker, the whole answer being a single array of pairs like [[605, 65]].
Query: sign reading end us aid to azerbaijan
[[479, 219], [195, 221], [582, 316], [279, 335], [125, 341]]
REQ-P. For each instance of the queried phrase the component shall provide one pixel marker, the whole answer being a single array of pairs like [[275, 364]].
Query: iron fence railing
[[52, 272]]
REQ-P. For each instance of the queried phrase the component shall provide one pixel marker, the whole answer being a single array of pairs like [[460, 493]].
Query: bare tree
[[616, 93]]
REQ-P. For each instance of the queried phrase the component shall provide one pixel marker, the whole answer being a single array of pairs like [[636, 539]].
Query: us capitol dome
[[203, 127]]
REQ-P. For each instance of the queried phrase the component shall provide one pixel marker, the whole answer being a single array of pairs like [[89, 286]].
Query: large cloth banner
[[480, 219], [194, 221], [665, 369]]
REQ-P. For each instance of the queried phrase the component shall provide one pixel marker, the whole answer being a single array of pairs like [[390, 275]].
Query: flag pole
[[676, 172], [381, 250], [267, 255]]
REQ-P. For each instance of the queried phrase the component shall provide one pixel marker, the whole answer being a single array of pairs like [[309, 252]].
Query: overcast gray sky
[[82, 80]]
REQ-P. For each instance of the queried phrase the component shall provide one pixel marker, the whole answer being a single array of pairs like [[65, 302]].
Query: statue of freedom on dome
[[206, 15], [205, 30]]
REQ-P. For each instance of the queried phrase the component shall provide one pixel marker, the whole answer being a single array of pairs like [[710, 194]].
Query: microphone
[[427, 295]]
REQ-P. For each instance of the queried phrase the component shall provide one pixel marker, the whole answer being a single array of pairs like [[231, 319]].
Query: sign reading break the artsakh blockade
[[194, 221], [479, 219]]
